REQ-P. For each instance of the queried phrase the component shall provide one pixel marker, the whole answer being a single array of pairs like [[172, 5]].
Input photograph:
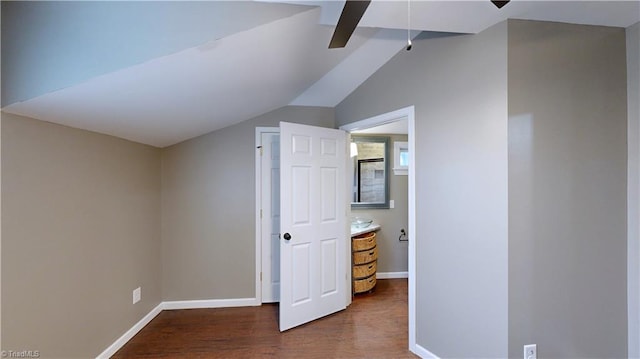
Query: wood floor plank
[[373, 326]]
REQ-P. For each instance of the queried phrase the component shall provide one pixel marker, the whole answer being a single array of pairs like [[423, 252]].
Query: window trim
[[398, 146]]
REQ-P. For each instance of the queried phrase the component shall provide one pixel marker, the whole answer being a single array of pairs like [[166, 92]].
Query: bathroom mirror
[[370, 158]]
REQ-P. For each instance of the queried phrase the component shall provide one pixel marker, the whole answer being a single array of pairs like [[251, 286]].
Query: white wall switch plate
[[137, 295], [530, 351], [392, 203]]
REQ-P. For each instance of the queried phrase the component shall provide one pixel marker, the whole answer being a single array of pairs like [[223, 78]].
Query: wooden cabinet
[[364, 254]]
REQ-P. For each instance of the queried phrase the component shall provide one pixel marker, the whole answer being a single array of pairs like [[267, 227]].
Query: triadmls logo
[[21, 354]]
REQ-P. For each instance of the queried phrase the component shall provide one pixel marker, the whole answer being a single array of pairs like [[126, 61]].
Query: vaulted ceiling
[[163, 72]]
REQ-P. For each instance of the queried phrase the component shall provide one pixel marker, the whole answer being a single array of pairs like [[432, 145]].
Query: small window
[[400, 158], [404, 157]]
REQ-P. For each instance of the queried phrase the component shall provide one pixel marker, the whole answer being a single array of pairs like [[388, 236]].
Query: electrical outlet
[[137, 295], [530, 351]]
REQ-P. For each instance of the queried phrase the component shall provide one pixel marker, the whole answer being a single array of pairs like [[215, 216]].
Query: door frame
[[258, 167], [409, 113]]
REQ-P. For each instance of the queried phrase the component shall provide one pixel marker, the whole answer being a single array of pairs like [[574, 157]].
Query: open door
[[312, 223]]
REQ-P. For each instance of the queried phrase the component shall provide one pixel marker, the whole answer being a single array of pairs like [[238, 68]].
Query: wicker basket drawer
[[364, 285], [364, 270], [367, 256], [364, 241]]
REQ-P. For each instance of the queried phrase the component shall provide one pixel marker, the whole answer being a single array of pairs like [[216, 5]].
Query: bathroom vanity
[[364, 258]]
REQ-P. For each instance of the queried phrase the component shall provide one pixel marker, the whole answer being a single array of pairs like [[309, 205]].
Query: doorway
[[268, 201], [409, 113], [388, 119]]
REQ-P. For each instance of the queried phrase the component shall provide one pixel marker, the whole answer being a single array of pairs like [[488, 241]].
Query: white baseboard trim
[[392, 275], [120, 342], [173, 305], [424, 353], [210, 303]]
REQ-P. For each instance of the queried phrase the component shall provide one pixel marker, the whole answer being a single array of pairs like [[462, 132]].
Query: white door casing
[[313, 217], [270, 215]]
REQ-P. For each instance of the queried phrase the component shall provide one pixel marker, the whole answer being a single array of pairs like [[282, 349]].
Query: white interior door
[[312, 223], [270, 215]]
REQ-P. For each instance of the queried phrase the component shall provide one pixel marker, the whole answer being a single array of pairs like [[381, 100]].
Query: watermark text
[[20, 354]]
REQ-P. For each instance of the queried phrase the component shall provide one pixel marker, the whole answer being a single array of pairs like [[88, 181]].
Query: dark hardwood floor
[[374, 326]]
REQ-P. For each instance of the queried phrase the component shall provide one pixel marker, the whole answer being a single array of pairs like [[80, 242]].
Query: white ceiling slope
[[473, 16], [477, 15], [338, 83], [198, 90], [397, 127], [63, 43], [248, 64]]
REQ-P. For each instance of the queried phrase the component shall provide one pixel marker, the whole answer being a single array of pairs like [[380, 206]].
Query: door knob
[[287, 236]]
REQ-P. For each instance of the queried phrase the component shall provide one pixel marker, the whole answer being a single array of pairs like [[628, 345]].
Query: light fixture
[[354, 149], [409, 45]]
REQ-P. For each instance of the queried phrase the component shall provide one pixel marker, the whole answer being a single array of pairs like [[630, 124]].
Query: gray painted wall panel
[[80, 231], [458, 85], [567, 190], [208, 208]]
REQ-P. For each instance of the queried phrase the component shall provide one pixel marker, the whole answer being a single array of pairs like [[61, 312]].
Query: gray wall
[[458, 85], [208, 208], [567, 190], [80, 231], [633, 188], [392, 254]]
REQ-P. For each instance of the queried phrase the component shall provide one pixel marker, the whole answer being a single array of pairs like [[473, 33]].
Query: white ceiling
[[397, 127], [160, 73], [477, 15], [198, 90]]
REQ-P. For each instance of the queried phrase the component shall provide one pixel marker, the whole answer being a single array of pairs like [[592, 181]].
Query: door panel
[[329, 265], [313, 213], [301, 273], [301, 185], [328, 185]]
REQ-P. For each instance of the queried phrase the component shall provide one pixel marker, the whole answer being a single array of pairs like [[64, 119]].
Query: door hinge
[[260, 213], [260, 148], [261, 276]]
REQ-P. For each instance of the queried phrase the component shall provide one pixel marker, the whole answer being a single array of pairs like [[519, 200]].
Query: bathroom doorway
[[407, 113], [386, 122]]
